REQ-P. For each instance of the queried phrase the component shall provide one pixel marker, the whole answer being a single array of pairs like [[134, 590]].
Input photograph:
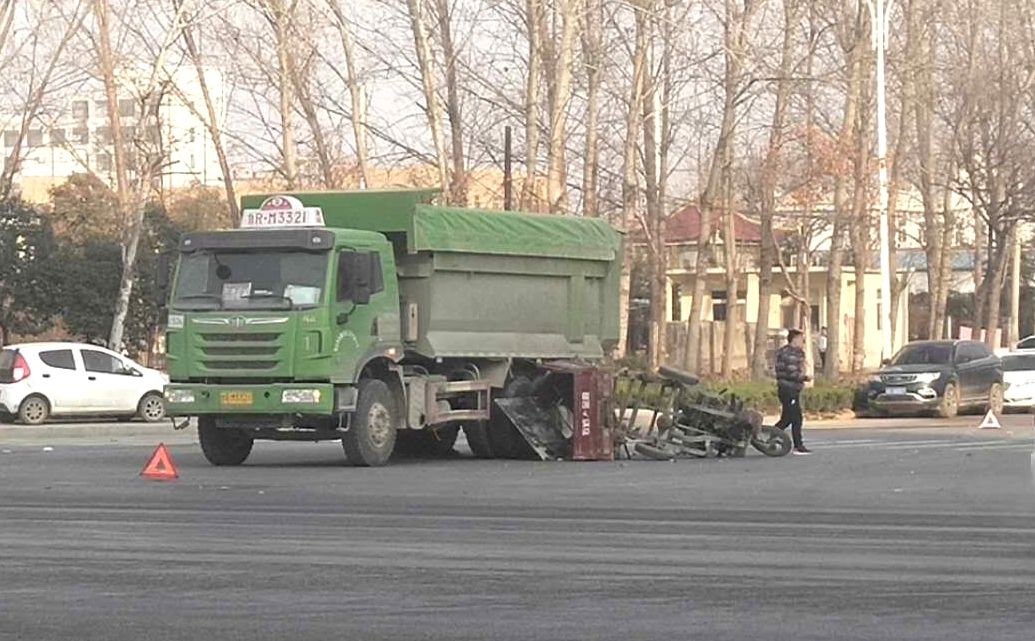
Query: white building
[[78, 138]]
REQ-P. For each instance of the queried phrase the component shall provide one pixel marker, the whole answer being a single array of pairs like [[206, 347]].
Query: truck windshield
[[250, 280]]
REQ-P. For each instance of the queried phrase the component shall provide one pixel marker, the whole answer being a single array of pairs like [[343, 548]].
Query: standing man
[[821, 343], [790, 380]]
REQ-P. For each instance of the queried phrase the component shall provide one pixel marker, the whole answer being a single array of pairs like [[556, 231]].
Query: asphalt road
[[921, 533]]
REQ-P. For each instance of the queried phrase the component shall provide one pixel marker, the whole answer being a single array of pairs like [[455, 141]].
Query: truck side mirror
[[162, 272]]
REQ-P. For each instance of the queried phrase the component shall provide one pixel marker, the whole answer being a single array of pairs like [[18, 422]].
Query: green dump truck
[[379, 319]]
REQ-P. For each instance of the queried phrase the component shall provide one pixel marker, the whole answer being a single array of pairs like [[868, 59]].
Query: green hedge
[[822, 398]]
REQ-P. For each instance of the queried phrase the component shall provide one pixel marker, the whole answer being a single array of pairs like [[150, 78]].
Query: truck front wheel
[[223, 446], [370, 438]]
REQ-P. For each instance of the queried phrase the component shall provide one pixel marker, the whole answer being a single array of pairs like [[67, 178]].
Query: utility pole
[[880, 10]]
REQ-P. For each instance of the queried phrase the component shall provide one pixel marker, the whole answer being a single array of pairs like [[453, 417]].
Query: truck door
[[359, 279]]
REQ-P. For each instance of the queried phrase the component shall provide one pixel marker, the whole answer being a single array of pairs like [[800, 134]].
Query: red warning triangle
[[160, 466]]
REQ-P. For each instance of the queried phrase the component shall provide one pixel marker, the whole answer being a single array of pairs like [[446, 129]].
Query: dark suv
[[939, 376]]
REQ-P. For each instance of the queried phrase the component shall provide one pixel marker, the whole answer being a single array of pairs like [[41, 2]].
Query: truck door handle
[[46, 376], [92, 378]]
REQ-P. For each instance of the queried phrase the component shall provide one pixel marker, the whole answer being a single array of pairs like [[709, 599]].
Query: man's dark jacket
[[790, 367]]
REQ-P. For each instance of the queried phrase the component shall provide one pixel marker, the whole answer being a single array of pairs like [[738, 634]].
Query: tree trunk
[[213, 123], [630, 182], [458, 179], [281, 28], [840, 224], [591, 54], [861, 220], [355, 91], [770, 175], [106, 65], [432, 109], [557, 173], [529, 189]]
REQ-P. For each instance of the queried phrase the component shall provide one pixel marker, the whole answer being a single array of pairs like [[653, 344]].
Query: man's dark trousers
[[790, 415]]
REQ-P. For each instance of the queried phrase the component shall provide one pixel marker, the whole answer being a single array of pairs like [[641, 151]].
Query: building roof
[[684, 227]]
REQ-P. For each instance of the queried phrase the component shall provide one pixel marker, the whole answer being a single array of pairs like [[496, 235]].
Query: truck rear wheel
[[371, 436], [223, 446]]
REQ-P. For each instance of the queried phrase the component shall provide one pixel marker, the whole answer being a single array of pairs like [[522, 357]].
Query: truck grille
[[243, 352]]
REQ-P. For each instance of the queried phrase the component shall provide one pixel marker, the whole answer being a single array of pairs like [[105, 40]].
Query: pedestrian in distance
[[790, 380], [821, 343]]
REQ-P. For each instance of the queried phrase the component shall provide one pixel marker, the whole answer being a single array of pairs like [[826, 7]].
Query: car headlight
[[179, 395], [876, 379], [300, 396], [928, 377]]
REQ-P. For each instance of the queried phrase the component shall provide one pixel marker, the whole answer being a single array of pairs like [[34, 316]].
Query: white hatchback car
[[40, 380], [1019, 379]]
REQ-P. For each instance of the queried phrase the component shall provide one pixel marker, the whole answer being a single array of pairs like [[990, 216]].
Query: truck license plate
[[235, 398], [896, 391]]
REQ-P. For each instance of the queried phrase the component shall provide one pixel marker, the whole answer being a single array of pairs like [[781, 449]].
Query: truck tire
[[430, 442], [371, 436], [223, 446], [34, 410], [477, 435]]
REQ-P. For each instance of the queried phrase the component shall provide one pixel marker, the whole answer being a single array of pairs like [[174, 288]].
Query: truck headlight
[[928, 378], [311, 396], [179, 395]]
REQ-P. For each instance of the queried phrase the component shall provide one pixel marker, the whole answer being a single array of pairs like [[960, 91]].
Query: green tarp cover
[[450, 229], [512, 233]]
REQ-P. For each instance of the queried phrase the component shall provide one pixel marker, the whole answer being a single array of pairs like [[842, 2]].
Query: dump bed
[[477, 283]]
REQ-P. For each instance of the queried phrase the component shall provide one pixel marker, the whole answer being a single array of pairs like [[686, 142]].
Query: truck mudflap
[[196, 399]]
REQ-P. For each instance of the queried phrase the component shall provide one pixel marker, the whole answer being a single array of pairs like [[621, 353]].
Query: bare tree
[[770, 171], [357, 104], [211, 118], [39, 82], [592, 58], [432, 108]]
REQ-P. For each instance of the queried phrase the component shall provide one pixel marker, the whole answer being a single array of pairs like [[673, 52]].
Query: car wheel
[[371, 436], [995, 398], [151, 408], [950, 405], [35, 410], [221, 445]]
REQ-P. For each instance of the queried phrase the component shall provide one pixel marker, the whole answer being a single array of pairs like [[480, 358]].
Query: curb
[[88, 430]]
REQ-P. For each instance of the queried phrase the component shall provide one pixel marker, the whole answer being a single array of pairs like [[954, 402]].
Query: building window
[[100, 107], [57, 137], [80, 109], [35, 138], [10, 138], [677, 303], [103, 135], [901, 235], [127, 107], [103, 162], [129, 133], [81, 135]]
